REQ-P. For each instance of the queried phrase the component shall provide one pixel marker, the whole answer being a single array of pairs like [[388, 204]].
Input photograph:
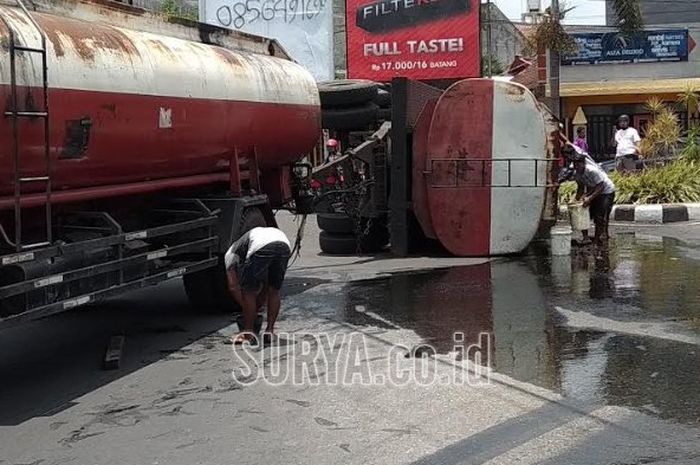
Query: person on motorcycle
[[332, 149]]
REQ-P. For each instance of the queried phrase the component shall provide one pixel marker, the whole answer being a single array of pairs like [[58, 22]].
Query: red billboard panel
[[418, 39]]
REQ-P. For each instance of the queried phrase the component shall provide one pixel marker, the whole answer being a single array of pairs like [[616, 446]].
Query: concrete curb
[[657, 214]]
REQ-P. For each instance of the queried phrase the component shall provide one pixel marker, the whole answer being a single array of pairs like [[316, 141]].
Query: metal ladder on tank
[[18, 116]]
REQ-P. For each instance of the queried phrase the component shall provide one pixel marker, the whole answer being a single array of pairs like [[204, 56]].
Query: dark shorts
[[601, 207], [626, 163], [267, 265]]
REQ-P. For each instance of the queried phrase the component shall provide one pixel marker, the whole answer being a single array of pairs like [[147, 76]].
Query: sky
[[586, 11]]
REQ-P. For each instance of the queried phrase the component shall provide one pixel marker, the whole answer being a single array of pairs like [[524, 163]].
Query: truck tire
[[346, 93], [383, 99], [336, 223], [347, 244], [384, 114], [356, 118], [375, 241], [337, 244], [200, 290], [251, 218], [207, 290]]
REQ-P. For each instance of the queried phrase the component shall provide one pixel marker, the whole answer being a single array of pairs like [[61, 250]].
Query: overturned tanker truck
[[135, 149], [470, 167]]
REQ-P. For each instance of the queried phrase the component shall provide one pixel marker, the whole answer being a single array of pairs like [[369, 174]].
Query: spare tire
[[337, 223], [346, 93], [337, 244], [350, 119]]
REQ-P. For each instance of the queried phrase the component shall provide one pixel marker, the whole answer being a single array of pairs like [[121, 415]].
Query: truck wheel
[[384, 114], [200, 290], [336, 223], [346, 93], [207, 290], [337, 244], [350, 119], [252, 218], [383, 99]]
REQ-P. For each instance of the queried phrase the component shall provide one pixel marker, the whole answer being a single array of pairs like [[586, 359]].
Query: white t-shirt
[[592, 176], [627, 140], [251, 242]]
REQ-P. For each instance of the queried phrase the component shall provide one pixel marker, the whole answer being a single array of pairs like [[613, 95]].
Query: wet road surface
[[550, 320], [595, 361]]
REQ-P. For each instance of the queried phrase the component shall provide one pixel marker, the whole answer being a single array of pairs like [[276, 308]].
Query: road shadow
[[47, 365]]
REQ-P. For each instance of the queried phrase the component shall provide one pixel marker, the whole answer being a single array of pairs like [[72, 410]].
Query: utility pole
[[489, 54], [554, 68]]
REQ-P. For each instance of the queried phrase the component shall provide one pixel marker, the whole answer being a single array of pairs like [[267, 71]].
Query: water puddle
[[619, 328]]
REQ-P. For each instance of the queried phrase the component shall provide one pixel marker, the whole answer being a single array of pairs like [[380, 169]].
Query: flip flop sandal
[[242, 338]]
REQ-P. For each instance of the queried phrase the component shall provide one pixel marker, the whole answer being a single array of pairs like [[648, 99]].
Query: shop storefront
[[614, 74]]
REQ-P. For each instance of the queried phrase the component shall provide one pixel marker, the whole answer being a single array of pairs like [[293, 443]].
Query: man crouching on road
[[601, 194], [256, 264]]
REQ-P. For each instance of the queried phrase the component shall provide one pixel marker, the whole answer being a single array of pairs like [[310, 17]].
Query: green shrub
[[691, 151], [663, 133], [674, 183], [677, 182], [567, 192]]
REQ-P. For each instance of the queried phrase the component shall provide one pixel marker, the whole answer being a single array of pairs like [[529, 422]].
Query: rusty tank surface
[[129, 105]]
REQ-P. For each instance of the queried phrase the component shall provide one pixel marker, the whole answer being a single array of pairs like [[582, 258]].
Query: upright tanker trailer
[[134, 150]]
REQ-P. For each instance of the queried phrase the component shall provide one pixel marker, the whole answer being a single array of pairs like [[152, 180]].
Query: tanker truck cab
[[128, 160]]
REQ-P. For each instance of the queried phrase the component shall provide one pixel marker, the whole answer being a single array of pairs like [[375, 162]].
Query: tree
[[173, 8], [628, 14], [496, 66], [550, 34]]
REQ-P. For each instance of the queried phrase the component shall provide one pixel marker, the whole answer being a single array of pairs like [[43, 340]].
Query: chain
[[296, 250], [350, 200]]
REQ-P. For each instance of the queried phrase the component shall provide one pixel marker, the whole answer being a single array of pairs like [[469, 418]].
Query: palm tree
[[550, 34], [628, 15]]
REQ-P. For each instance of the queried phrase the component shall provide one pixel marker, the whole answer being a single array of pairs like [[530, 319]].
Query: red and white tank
[[128, 104], [483, 157]]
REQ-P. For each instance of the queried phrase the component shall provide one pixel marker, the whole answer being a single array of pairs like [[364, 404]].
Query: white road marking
[[362, 309], [658, 330]]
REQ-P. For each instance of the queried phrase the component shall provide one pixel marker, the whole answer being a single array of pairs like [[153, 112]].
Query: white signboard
[[303, 27]]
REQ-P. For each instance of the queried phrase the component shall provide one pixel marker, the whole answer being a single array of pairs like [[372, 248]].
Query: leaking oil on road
[[594, 357]]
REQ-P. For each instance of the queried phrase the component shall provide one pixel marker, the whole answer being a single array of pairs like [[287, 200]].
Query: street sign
[[642, 47], [303, 27], [418, 39]]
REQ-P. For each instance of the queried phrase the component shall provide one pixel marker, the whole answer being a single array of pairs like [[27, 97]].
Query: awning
[[656, 86]]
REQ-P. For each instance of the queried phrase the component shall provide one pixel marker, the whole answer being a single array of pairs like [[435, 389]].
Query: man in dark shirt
[[256, 265]]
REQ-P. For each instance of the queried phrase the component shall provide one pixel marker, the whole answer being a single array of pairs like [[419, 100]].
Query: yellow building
[[597, 93]]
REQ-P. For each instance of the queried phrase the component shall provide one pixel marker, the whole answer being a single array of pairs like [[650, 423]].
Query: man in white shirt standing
[[626, 143]]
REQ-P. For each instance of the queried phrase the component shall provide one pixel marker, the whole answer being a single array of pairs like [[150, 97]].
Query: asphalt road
[[593, 360]]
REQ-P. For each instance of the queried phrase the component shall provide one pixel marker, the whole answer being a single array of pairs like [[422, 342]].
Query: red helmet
[[332, 143]]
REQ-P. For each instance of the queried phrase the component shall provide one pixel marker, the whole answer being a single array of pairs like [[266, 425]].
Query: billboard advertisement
[[303, 27], [418, 39], [641, 47]]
